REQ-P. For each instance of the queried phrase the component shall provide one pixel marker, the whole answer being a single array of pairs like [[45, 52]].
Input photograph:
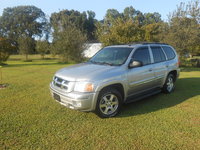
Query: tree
[[129, 13], [70, 33], [84, 21], [42, 47], [151, 18], [135, 15], [90, 25], [184, 35], [6, 48], [26, 45], [111, 16], [184, 28], [22, 20], [121, 32], [153, 31], [69, 44], [130, 26]]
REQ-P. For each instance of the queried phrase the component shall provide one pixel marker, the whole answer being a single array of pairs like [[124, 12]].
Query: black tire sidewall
[[104, 92], [165, 85]]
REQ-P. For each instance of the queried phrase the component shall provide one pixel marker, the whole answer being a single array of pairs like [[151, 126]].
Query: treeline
[[181, 31], [26, 30]]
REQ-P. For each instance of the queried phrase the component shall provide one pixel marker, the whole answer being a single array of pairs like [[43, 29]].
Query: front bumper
[[76, 100]]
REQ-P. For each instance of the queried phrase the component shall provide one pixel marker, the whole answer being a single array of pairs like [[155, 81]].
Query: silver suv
[[116, 75]]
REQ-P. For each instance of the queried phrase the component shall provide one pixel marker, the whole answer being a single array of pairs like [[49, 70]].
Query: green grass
[[31, 119]]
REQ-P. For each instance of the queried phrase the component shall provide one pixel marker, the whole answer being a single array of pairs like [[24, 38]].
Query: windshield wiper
[[93, 62], [107, 63], [102, 63]]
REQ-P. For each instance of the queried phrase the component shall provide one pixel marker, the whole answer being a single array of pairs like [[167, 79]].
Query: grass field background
[[31, 119]]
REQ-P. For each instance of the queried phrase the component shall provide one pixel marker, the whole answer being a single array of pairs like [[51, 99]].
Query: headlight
[[84, 87]]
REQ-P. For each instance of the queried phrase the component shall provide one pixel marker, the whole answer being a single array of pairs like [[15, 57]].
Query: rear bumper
[[76, 100]]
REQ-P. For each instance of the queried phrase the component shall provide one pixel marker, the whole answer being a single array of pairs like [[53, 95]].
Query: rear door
[[160, 64], [141, 78]]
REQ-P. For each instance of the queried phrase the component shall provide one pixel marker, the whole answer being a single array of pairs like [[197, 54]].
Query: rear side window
[[158, 54], [142, 54], [169, 52]]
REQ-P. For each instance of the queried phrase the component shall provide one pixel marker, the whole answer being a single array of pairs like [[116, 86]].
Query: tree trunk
[[26, 57]]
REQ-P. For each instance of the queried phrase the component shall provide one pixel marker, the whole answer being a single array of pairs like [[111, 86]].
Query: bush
[[190, 62], [5, 49]]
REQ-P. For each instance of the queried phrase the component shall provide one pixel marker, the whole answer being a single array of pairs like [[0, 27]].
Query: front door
[[141, 79]]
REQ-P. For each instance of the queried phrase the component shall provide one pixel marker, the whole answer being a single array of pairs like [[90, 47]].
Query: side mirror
[[134, 64]]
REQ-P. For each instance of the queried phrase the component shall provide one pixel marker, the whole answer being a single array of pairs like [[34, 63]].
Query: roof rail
[[146, 43]]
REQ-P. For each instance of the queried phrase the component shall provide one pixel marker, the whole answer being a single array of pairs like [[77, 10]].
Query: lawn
[[31, 119]]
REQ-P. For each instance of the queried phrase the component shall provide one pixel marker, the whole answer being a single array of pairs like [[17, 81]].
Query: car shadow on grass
[[186, 88]]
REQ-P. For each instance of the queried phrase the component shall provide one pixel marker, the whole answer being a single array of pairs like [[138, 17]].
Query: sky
[[164, 7]]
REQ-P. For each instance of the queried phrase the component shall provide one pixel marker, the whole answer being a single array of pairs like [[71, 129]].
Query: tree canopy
[[69, 44], [69, 30], [84, 21], [129, 26], [184, 28], [22, 20]]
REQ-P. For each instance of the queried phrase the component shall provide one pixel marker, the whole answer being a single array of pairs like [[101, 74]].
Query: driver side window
[[142, 55]]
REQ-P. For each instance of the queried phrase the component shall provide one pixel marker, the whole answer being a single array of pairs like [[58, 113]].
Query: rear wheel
[[109, 103], [169, 84]]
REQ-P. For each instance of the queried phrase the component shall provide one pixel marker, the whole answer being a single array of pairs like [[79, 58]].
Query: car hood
[[86, 72]]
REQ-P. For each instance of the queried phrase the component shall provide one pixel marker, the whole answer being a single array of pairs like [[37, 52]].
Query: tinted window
[[169, 52], [142, 54], [158, 54]]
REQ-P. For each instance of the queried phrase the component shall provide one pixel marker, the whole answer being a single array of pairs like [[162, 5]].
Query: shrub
[[5, 49]]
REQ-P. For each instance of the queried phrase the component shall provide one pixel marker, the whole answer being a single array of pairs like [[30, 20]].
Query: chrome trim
[[61, 83], [142, 81]]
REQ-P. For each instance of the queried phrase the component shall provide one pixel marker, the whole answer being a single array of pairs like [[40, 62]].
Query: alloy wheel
[[108, 104]]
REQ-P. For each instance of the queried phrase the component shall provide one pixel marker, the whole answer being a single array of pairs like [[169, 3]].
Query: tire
[[109, 103], [169, 85]]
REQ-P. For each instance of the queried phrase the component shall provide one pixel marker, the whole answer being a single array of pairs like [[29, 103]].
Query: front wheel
[[169, 84], [109, 103]]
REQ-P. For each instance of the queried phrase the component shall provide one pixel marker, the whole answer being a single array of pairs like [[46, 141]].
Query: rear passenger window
[[142, 54], [158, 54], [169, 52]]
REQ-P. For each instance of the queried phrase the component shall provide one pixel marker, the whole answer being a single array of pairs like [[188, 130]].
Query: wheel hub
[[109, 104], [170, 84]]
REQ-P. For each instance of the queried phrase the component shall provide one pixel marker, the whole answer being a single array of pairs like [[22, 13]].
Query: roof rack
[[146, 43]]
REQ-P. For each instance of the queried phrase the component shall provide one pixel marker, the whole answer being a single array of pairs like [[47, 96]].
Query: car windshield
[[111, 56]]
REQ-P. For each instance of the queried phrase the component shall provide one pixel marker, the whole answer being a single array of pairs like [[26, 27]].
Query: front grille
[[59, 79], [60, 83]]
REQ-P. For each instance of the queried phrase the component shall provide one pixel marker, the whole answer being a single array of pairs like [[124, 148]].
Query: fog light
[[78, 104], [72, 107]]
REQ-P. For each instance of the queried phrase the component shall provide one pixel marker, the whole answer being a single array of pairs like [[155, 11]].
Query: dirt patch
[[195, 121], [186, 107], [3, 86]]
